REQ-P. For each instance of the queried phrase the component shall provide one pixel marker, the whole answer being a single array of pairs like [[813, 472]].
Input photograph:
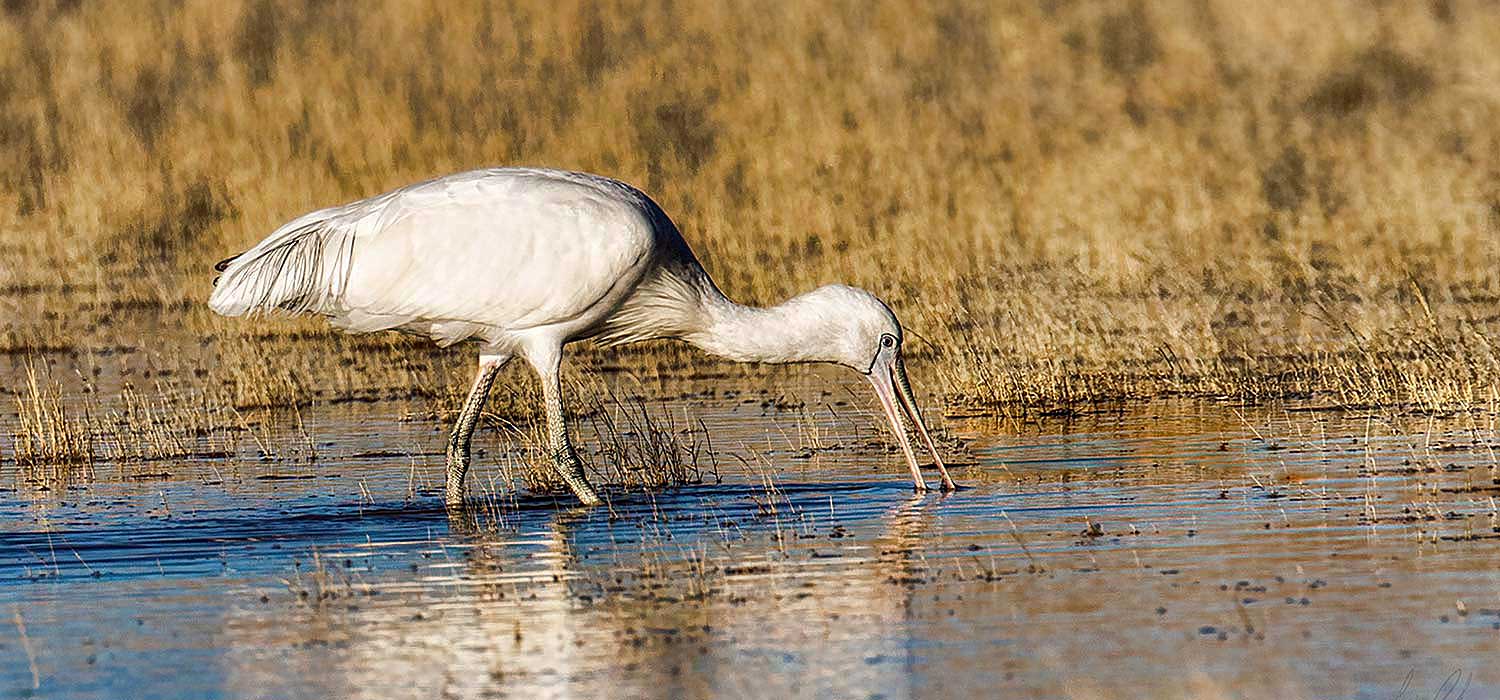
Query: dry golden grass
[[51, 442], [623, 442], [163, 424], [1072, 201]]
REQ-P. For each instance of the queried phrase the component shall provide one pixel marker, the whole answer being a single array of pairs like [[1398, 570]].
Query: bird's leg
[[463, 428], [569, 467]]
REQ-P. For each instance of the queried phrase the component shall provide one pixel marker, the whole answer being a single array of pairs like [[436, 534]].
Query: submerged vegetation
[[1066, 202]]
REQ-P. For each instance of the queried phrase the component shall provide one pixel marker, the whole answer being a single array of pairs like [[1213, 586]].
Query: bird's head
[[863, 334]]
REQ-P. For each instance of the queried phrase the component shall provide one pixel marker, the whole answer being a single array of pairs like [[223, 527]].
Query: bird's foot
[[570, 468]]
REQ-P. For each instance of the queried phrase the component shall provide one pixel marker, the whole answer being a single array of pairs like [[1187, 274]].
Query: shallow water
[[1174, 549]]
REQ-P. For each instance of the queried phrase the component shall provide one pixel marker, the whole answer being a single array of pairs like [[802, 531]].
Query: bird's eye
[[887, 340]]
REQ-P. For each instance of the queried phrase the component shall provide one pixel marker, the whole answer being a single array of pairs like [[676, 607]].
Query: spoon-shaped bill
[[909, 402], [881, 378]]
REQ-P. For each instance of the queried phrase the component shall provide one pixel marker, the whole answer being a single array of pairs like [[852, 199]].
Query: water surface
[[1173, 549]]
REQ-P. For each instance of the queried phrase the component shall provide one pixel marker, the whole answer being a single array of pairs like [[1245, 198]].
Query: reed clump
[[1073, 202], [624, 442], [51, 439], [162, 423], [642, 449]]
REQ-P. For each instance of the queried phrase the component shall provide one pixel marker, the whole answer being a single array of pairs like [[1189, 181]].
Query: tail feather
[[302, 267]]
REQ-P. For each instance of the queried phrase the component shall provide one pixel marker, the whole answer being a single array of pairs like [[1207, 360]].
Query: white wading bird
[[527, 260]]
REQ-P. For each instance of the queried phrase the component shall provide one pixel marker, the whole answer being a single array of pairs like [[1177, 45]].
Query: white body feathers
[[493, 255]]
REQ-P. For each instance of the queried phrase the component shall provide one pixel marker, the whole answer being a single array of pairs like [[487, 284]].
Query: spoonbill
[[526, 260]]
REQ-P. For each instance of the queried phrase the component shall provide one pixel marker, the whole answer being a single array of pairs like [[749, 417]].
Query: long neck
[[781, 333]]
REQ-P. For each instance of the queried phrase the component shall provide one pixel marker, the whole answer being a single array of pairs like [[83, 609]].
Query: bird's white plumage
[[490, 254]]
